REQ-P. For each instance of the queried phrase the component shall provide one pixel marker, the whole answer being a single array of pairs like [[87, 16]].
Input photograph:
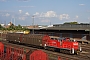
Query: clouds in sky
[[22, 15], [42, 17], [45, 20], [21, 18], [52, 14], [64, 16], [27, 14], [6, 14], [81, 4], [76, 16], [20, 11], [48, 14]]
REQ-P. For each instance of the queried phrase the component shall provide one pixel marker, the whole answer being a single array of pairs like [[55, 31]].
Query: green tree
[[19, 27], [12, 27], [71, 23], [1, 28]]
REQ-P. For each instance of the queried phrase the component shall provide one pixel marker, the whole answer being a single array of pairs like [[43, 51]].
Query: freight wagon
[[64, 45], [18, 52]]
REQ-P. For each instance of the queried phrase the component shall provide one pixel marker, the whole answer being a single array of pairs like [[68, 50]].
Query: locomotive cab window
[[73, 40], [54, 38]]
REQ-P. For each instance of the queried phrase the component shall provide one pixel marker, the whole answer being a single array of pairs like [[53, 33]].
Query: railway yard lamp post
[[33, 24]]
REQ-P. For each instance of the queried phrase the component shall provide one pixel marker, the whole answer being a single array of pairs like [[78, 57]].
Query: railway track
[[54, 55], [86, 47], [69, 57]]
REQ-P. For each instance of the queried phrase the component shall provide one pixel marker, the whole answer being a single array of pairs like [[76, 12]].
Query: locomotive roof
[[53, 36]]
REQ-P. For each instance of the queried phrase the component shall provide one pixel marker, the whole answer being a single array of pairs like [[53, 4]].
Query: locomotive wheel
[[45, 48], [65, 51], [53, 49], [38, 47], [77, 53], [60, 50]]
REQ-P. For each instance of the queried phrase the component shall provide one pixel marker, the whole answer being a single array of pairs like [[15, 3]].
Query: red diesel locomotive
[[64, 45]]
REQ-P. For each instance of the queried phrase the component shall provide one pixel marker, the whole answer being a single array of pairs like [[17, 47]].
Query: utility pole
[[33, 24]]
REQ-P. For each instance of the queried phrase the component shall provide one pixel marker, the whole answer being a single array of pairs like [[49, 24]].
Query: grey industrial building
[[66, 30]]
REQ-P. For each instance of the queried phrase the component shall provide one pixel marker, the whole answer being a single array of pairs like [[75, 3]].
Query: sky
[[44, 12]]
